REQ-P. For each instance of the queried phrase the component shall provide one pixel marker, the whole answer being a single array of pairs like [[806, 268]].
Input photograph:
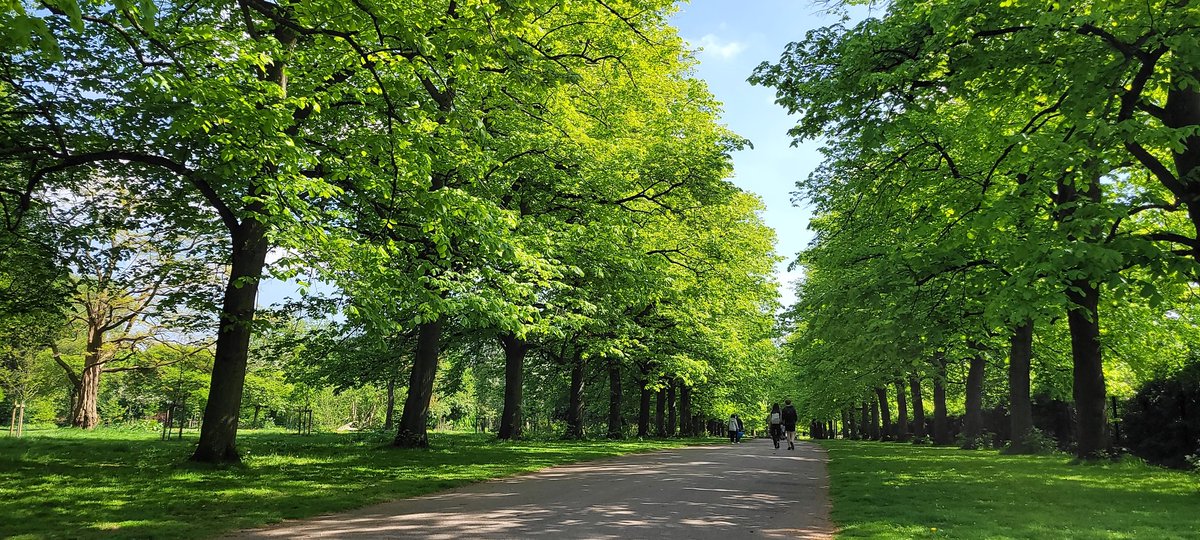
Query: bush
[[1162, 422], [1193, 460], [985, 439], [1037, 442]]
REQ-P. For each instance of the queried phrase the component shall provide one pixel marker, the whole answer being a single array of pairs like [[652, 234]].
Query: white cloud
[[715, 46]]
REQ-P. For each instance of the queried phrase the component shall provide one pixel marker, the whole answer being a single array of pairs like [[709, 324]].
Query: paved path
[[725, 492]]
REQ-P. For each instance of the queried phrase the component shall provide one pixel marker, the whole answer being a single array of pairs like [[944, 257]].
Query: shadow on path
[[722, 492]]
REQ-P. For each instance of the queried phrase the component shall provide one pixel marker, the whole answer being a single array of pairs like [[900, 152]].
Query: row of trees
[[1008, 185], [544, 176]]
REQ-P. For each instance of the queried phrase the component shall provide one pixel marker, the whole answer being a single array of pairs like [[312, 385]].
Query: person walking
[[741, 430], [734, 426], [789, 423], [775, 424]]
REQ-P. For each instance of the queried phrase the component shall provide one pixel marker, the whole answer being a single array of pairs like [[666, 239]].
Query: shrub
[[1037, 442], [1162, 422]]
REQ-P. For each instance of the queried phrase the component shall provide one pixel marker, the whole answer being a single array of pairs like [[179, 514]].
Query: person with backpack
[[789, 423], [734, 426], [775, 424]]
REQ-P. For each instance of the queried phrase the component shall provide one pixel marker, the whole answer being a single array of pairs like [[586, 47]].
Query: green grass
[[893, 490], [126, 484]]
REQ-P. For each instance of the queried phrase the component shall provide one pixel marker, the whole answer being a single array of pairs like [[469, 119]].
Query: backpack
[[733, 424], [776, 419]]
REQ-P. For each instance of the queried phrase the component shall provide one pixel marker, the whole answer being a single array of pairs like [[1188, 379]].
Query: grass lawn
[[111, 484], [894, 490]]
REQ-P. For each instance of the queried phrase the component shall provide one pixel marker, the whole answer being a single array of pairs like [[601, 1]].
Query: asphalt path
[[723, 492]]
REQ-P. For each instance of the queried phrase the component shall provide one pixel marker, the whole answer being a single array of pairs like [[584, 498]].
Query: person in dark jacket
[[789, 423], [775, 424]]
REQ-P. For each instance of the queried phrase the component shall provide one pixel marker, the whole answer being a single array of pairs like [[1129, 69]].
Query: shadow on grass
[[131, 485], [892, 490]]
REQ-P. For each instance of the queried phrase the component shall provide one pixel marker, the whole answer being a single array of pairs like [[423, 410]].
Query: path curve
[[702, 492]]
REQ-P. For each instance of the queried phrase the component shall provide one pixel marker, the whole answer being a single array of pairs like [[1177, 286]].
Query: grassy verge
[[893, 490], [111, 484]]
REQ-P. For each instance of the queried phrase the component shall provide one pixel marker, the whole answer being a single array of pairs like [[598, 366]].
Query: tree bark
[[851, 425], [1083, 319], [685, 410], [414, 421], [864, 427], [575, 407], [671, 417], [514, 386], [218, 432], [615, 431], [85, 403], [1182, 110], [914, 382], [660, 408], [876, 433], [885, 413], [1019, 402], [973, 419], [902, 434], [389, 416], [941, 426], [644, 408]]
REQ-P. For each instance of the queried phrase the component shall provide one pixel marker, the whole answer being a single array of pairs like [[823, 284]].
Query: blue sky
[[735, 36]]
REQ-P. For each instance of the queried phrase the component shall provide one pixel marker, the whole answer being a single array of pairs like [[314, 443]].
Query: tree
[[130, 278]]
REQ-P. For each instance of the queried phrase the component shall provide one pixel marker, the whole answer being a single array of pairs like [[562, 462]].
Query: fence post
[[182, 417], [166, 422]]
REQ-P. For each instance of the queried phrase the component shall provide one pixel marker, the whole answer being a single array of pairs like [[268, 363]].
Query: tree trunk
[[389, 415], [615, 431], [864, 427], [901, 413], [1182, 110], [885, 413], [671, 418], [414, 421], [973, 419], [1083, 320], [644, 408], [575, 407], [851, 425], [685, 410], [876, 434], [660, 408], [218, 432], [85, 404], [514, 386], [941, 426], [1019, 403], [914, 383]]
